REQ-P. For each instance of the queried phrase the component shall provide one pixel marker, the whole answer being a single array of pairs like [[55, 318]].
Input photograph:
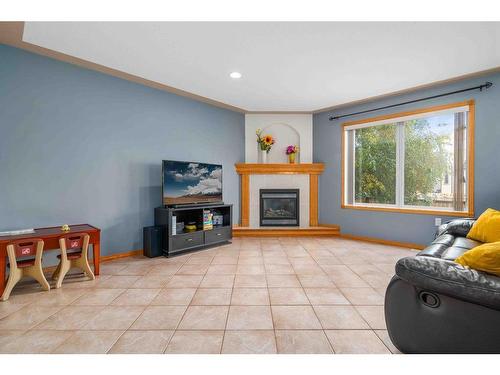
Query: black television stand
[[174, 242]]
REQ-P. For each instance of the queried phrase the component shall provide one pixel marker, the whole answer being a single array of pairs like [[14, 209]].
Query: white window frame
[[399, 118]]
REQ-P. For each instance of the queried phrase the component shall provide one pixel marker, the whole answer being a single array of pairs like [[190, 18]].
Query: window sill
[[410, 211]]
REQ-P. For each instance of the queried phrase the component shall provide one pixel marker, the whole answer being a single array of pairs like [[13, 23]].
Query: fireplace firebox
[[279, 207]]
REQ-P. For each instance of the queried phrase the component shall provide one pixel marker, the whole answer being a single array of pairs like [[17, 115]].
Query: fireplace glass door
[[279, 207]]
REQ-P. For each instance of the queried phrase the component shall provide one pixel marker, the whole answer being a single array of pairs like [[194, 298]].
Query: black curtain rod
[[485, 85]]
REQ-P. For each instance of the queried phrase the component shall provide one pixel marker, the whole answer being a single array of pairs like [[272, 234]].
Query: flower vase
[[263, 156], [291, 158]]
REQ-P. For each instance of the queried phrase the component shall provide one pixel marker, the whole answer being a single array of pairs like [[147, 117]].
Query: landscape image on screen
[[187, 182]]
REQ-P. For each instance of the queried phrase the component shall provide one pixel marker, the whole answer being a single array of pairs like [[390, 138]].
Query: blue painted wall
[[79, 146], [409, 227]]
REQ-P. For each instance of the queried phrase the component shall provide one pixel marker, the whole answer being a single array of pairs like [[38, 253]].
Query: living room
[[249, 188]]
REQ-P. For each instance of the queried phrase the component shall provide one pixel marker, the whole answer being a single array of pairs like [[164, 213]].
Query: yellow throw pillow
[[485, 258], [487, 227]]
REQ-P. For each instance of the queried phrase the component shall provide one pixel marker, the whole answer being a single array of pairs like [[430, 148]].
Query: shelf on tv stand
[[203, 230], [195, 205]]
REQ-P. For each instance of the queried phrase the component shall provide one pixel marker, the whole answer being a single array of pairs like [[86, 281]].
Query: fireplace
[[279, 207]]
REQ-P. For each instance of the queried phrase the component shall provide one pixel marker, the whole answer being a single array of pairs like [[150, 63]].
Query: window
[[419, 161]]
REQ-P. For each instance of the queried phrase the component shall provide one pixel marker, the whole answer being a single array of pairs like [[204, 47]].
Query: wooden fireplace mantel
[[247, 169], [254, 168]]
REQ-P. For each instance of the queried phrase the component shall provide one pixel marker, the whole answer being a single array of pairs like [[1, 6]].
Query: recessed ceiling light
[[235, 75]]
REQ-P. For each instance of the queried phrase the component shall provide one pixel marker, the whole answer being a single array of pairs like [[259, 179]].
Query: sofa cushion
[[449, 247], [487, 227], [453, 252], [466, 243], [434, 250], [483, 258], [460, 246]]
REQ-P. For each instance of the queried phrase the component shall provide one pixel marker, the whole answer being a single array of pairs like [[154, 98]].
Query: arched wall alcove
[[285, 135], [288, 129]]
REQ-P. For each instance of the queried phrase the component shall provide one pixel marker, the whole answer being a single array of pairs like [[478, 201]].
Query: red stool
[[22, 263], [74, 250]]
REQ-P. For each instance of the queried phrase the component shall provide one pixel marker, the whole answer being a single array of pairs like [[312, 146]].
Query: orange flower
[[268, 139]]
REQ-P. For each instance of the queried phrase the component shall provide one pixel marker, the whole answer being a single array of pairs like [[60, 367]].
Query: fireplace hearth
[[279, 207]]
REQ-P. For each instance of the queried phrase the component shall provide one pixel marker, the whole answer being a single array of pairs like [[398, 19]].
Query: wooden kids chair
[[74, 250], [22, 263]]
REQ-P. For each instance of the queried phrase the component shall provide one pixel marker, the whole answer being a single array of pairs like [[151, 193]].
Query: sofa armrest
[[457, 227], [441, 230], [451, 279]]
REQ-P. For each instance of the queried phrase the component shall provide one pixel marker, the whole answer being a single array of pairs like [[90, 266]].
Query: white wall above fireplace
[[288, 129]]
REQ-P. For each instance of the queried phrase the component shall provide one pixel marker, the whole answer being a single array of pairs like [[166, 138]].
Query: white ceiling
[[286, 66]]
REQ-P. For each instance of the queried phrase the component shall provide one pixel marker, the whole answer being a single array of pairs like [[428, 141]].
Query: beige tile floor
[[256, 295]]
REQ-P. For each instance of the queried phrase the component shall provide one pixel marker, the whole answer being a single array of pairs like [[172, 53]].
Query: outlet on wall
[[437, 221]]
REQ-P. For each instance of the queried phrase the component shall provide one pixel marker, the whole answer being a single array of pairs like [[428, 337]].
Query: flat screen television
[[191, 183]]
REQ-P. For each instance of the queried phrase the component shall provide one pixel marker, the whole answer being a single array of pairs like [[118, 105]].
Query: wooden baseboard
[[107, 258], [286, 232], [381, 241]]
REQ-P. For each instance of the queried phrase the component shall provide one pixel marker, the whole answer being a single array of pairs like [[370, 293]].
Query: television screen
[[189, 182]]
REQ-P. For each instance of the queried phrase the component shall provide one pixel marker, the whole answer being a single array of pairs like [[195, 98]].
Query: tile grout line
[[270, 306], [61, 307], [229, 308], [32, 328], [126, 330], [357, 311], [382, 341], [314, 310], [145, 308], [187, 307]]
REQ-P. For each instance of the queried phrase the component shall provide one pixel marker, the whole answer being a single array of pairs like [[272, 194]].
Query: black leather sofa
[[434, 305]]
